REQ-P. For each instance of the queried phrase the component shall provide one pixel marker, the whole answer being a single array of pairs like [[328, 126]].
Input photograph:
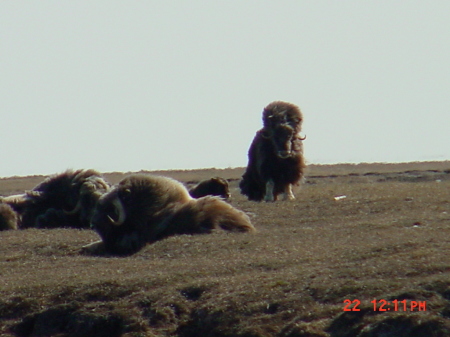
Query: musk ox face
[[282, 122], [282, 137], [127, 217]]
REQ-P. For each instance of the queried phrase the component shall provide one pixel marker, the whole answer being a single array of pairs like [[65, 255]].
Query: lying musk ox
[[145, 208], [214, 186], [275, 157], [8, 217], [61, 200]]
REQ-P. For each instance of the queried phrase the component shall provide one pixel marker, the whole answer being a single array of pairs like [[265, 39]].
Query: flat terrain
[[355, 234]]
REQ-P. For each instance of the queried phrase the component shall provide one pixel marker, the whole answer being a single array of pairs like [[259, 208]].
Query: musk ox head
[[127, 216], [61, 200], [214, 186], [282, 122], [279, 112], [90, 190], [8, 217]]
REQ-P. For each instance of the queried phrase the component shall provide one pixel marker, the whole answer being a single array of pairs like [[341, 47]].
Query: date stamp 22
[[383, 305]]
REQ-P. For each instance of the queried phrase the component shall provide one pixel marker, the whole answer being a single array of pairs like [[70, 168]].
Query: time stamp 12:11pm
[[383, 305]]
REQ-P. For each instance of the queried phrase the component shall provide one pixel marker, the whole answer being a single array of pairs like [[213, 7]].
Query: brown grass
[[387, 239]]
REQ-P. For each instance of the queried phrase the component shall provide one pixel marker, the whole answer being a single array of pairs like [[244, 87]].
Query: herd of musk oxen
[[144, 208]]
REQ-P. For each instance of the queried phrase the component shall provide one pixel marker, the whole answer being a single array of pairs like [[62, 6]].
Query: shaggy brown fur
[[214, 186], [144, 208], [275, 157], [61, 200], [204, 215], [279, 112], [8, 217]]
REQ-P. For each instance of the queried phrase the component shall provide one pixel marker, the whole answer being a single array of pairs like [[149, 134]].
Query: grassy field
[[357, 236]]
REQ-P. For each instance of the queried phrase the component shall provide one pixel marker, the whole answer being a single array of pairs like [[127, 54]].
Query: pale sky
[[146, 85]]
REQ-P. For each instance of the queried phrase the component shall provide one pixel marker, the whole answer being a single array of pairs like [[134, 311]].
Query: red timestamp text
[[384, 305]]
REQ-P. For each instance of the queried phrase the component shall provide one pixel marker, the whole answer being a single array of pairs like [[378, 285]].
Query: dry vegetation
[[387, 239]]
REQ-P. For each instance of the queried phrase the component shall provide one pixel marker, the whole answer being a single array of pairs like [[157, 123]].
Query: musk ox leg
[[288, 194], [269, 191]]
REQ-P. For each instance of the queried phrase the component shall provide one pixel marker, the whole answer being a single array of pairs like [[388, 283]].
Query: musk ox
[[8, 217], [61, 200], [214, 186], [275, 157], [142, 209]]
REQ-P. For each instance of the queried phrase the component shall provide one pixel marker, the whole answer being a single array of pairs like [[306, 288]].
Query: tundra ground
[[355, 234]]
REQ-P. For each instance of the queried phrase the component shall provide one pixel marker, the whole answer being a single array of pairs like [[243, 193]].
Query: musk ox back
[[214, 186], [61, 200], [275, 157], [8, 217], [144, 208], [204, 215]]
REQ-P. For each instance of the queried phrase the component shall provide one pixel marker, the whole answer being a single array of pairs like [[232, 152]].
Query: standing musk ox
[[143, 208], [214, 186], [61, 200], [275, 157], [8, 217]]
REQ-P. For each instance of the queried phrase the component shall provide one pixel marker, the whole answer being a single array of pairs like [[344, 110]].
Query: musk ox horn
[[302, 138], [119, 209]]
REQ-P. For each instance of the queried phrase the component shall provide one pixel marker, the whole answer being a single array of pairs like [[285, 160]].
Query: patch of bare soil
[[361, 252]]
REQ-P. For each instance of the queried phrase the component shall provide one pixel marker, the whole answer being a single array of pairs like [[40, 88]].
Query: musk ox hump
[[154, 188], [137, 197]]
